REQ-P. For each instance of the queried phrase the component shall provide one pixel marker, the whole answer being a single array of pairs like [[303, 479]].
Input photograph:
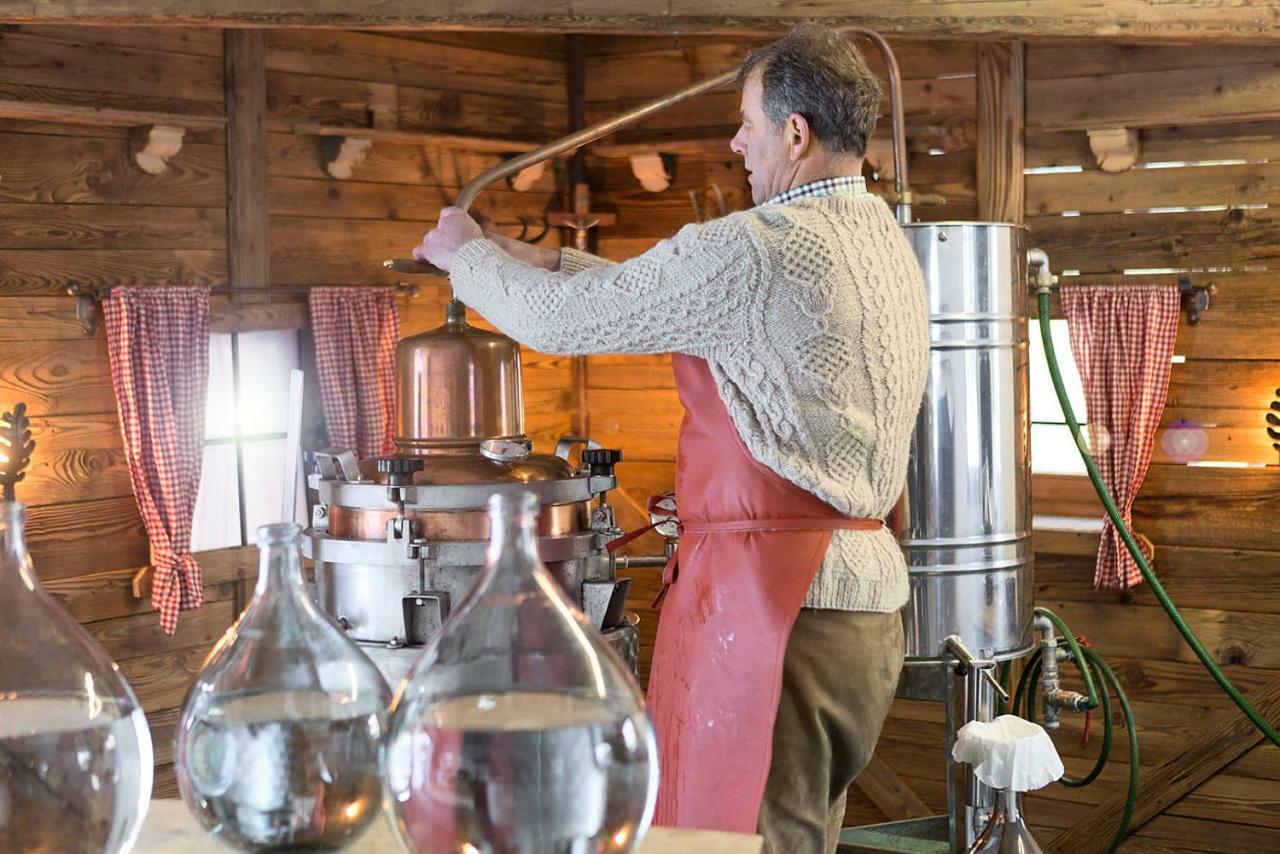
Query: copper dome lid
[[456, 386]]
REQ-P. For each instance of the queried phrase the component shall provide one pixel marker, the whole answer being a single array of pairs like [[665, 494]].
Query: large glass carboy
[[280, 742], [519, 729], [75, 751]]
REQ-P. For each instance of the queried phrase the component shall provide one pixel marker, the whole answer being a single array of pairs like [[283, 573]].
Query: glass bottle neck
[[279, 565], [513, 530], [13, 545]]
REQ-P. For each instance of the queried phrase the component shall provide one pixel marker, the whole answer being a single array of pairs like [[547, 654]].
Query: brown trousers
[[838, 681]]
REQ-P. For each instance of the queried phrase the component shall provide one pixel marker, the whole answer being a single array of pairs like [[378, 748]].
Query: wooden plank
[[1225, 737], [55, 226], [1131, 19], [47, 272], [1209, 507], [890, 792], [1095, 191], [1001, 99], [952, 175], [1189, 96], [70, 539], [43, 111], [1112, 243], [1251, 141], [140, 634], [257, 317], [630, 372], [381, 58], [308, 251], [189, 41], [466, 142], [297, 98], [299, 197], [1214, 383], [1051, 60], [30, 61], [59, 169], [1134, 631], [433, 170], [39, 319], [163, 724], [228, 575], [644, 423], [248, 223], [57, 377], [77, 458], [161, 680]]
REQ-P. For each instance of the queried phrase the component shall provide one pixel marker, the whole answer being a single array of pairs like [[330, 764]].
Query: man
[[798, 330]]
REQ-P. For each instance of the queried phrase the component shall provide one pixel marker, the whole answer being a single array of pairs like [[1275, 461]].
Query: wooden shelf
[[486, 144], [72, 114]]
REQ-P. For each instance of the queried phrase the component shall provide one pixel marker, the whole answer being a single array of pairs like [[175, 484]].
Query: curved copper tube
[[590, 134]]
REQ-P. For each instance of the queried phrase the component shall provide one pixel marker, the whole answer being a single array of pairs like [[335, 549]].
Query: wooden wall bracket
[[653, 169], [1117, 149], [342, 154], [151, 146]]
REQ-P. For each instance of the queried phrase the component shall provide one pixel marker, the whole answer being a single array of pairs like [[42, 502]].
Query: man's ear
[[798, 136]]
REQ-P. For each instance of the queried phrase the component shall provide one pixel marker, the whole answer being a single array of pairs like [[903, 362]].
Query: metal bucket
[[966, 527]]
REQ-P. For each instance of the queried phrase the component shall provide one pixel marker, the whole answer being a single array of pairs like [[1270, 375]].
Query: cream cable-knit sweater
[[812, 318]]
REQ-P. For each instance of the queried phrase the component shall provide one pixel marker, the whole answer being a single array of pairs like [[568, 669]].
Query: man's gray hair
[[816, 72]]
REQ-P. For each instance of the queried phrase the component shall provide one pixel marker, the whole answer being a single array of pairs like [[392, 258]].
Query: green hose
[[1131, 798], [1127, 536], [1075, 651]]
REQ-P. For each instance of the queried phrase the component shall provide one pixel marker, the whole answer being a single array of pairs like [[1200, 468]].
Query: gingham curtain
[[355, 331], [1122, 338], [158, 346]]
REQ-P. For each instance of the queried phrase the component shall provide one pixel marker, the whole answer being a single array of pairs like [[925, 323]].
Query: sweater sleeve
[[575, 261], [688, 294]]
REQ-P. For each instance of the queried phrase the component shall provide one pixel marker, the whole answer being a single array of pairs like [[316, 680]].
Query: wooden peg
[[653, 170], [1117, 149], [152, 145], [342, 154], [526, 178]]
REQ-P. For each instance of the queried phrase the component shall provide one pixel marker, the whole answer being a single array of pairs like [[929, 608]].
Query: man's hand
[[453, 230]]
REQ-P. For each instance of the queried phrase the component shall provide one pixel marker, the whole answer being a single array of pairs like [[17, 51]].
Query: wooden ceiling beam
[[1254, 21]]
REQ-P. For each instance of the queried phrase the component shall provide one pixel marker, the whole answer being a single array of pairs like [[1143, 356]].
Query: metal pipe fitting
[[1042, 278]]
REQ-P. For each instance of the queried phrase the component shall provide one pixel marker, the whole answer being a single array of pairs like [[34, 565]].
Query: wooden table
[[171, 829]]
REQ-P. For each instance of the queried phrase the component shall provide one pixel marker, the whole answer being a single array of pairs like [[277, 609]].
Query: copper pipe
[[590, 134]]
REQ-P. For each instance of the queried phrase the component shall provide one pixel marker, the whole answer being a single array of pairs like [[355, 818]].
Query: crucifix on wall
[[582, 218]]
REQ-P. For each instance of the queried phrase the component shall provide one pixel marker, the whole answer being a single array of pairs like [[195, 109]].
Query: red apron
[[751, 542]]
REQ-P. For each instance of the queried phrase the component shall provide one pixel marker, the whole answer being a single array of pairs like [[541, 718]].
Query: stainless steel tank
[[966, 515]]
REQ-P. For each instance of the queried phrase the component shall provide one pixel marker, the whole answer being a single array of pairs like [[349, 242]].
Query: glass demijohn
[[519, 729], [75, 751], [280, 742]]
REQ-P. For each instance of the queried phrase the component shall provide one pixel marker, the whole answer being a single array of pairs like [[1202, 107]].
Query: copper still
[[399, 540]]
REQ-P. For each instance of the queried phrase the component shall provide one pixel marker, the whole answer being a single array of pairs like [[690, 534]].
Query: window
[[246, 411], [1053, 450]]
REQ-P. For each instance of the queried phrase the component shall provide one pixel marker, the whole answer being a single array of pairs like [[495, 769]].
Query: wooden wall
[[74, 209]]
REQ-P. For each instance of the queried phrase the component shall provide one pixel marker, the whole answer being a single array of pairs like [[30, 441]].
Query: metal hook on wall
[[1195, 298]]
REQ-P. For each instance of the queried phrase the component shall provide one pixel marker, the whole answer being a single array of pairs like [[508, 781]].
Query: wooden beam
[[1001, 120], [33, 111], [248, 240], [1239, 20], [462, 142], [1225, 738], [891, 795]]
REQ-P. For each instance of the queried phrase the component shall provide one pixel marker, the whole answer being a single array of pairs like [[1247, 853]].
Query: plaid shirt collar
[[845, 185]]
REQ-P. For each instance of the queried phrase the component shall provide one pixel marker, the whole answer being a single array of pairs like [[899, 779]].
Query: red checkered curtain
[[1122, 338], [355, 331], [158, 346]]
